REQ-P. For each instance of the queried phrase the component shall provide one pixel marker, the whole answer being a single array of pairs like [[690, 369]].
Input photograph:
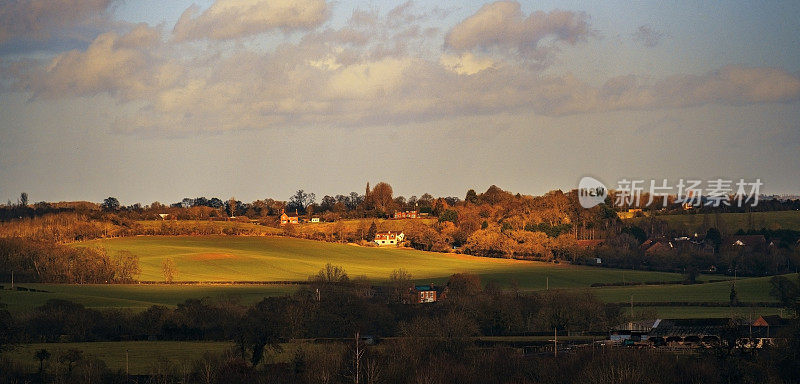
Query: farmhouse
[[289, 219], [406, 215], [426, 293], [389, 238]]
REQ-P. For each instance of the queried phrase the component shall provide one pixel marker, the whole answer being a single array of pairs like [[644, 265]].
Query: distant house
[[406, 215], [389, 238], [770, 321], [427, 293], [289, 219], [747, 242], [315, 219], [658, 245]]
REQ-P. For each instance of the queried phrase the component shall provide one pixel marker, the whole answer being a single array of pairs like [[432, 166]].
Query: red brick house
[[289, 219], [406, 215], [426, 294]]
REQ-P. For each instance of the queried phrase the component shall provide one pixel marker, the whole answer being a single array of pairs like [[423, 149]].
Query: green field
[[220, 258], [142, 355], [731, 222], [748, 290], [137, 297], [703, 312], [241, 258]]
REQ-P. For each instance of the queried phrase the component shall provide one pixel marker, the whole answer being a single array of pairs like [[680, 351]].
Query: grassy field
[[748, 290], [703, 312], [136, 297], [732, 222], [142, 355], [220, 258]]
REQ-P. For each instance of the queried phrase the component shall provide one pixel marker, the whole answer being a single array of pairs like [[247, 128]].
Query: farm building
[[389, 238]]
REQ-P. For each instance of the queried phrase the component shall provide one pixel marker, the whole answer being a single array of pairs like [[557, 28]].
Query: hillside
[[730, 222], [241, 258]]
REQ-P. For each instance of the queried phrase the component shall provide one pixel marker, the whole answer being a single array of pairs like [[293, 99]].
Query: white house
[[389, 238]]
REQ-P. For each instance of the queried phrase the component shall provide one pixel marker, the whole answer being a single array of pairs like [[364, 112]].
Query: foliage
[[169, 270]]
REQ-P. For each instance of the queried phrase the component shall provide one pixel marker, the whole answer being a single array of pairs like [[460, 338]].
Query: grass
[[206, 226], [136, 297], [731, 222], [658, 312], [142, 355], [747, 290], [220, 258]]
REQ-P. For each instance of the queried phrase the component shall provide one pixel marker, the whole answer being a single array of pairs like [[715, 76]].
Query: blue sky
[[255, 99]]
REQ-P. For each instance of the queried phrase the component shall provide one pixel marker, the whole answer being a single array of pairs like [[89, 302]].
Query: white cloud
[[466, 63], [231, 19], [335, 79]]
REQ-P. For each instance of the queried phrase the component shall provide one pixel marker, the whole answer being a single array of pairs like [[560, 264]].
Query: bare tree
[[169, 270]]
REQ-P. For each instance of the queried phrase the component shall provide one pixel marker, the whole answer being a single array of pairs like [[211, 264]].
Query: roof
[[747, 240], [389, 233], [689, 327], [423, 288], [770, 321]]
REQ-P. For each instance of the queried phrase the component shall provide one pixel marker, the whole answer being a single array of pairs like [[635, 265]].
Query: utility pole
[[548, 283], [555, 341], [631, 307], [12, 279], [127, 367], [359, 353]]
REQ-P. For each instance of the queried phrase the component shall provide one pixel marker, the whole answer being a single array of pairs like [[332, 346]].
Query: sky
[[155, 101]]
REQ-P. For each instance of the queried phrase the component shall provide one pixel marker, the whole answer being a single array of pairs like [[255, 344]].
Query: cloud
[[502, 27], [369, 71], [466, 63], [647, 36], [40, 19], [231, 19], [127, 65]]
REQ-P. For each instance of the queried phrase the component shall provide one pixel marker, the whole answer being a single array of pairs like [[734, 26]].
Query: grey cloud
[[647, 36], [501, 26], [131, 65], [36, 20], [231, 19]]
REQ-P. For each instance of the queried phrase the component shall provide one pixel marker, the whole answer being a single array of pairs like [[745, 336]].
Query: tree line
[[431, 343]]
